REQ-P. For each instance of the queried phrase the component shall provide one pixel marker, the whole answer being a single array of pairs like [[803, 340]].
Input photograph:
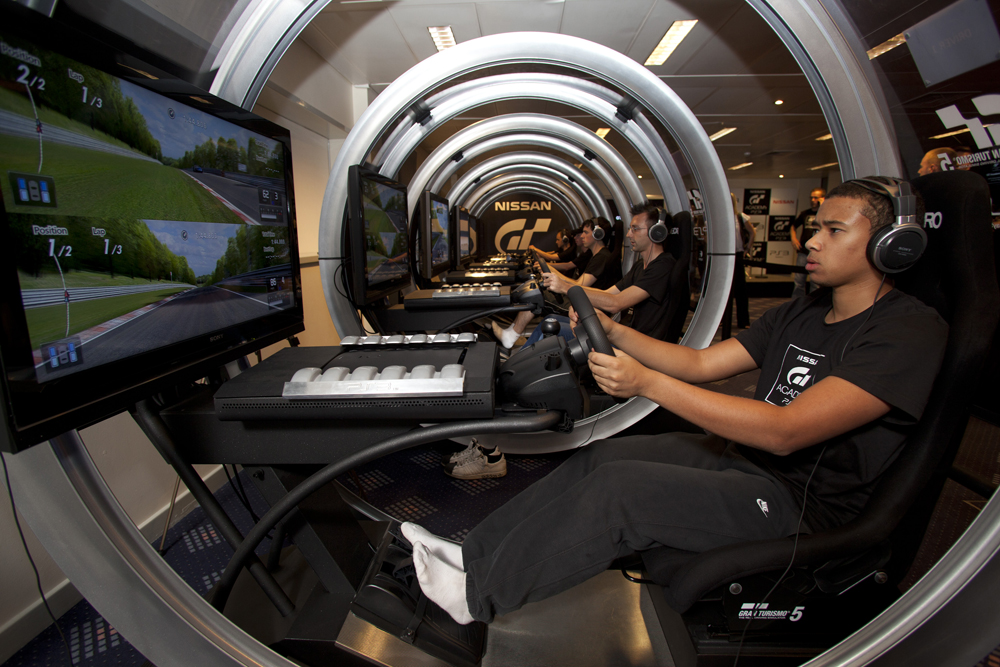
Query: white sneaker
[[477, 467], [507, 337], [458, 457]]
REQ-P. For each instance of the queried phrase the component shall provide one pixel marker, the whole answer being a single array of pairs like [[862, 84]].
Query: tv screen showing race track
[[385, 227], [136, 221]]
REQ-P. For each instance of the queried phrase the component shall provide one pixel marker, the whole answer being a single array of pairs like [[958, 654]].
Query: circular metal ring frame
[[80, 523]]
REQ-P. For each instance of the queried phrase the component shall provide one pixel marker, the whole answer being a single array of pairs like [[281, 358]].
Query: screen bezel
[[457, 260], [33, 411], [426, 245], [363, 295], [476, 224]]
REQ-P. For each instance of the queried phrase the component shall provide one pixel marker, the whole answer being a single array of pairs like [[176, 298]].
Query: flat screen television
[[436, 230], [462, 243], [150, 236], [378, 233]]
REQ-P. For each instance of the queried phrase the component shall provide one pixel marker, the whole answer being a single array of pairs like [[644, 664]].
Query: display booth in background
[[516, 222], [772, 212]]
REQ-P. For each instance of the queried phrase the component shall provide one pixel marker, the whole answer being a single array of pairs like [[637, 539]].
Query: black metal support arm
[[535, 422], [147, 415]]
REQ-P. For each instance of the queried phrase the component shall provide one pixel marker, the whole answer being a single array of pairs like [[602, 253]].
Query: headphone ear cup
[[897, 247], [658, 233], [598, 233]]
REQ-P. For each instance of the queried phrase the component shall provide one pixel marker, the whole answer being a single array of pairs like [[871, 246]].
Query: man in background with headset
[[845, 373]]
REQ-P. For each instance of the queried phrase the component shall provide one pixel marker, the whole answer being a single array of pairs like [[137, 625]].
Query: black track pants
[[613, 498]]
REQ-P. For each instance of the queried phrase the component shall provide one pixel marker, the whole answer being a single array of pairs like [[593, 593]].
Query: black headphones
[[658, 233], [898, 246]]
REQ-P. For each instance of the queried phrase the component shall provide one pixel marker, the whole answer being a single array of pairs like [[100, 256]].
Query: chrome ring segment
[[535, 130], [529, 161], [551, 88]]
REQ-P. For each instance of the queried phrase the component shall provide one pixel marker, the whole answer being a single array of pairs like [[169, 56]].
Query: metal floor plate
[[599, 623]]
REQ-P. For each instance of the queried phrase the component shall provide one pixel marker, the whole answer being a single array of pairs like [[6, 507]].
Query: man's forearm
[[677, 361]]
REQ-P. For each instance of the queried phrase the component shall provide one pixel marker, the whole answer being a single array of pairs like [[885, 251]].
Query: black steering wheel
[[541, 283], [588, 318]]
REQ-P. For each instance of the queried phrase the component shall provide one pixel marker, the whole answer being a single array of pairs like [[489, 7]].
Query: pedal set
[[390, 599]]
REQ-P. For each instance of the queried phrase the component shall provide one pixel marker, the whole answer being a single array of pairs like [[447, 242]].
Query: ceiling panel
[[613, 24], [498, 17], [370, 41], [413, 21]]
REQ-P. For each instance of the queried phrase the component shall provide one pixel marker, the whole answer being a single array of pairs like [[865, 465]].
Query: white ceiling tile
[[370, 40], [413, 22], [613, 24], [499, 17]]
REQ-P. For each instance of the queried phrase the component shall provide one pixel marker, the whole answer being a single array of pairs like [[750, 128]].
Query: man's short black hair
[[876, 207], [650, 210], [599, 222]]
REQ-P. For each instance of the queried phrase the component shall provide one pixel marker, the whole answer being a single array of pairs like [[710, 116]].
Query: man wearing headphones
[[645, 288], [845, 374], [602, 271]]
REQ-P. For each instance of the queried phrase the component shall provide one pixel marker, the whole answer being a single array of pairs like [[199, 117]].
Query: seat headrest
[[678, 241], [953, 261]]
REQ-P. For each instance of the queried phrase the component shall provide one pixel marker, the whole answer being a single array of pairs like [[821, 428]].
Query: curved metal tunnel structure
[[74, 506]]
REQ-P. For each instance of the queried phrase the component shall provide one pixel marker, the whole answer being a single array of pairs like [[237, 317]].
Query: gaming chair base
[[798, 626]]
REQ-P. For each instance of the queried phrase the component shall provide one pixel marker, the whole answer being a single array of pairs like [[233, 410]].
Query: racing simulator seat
[[679, 245], [842, 578]]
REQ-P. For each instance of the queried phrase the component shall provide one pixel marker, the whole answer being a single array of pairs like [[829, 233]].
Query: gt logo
[[756, 199], [933, 219], [986, 105], [781, 225], [798, 375], [518, 241]]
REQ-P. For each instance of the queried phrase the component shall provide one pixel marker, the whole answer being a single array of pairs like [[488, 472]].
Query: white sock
[[442, 583], [449, 552], [507, 337]]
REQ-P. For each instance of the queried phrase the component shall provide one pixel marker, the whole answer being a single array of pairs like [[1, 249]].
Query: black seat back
[[678, 244], [956, 276]]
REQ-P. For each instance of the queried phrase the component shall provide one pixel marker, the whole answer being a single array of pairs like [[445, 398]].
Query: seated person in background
[[565, 249], [937, 159], [602, 271], [845, 374], [645, 289], [578, 262]]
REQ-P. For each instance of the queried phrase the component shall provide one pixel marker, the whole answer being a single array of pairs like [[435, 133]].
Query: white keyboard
[[370, 382], [411, 339], [460, 291]]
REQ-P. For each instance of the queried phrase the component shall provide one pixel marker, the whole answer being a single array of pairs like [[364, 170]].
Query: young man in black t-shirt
[[601, 272], [845, 374]]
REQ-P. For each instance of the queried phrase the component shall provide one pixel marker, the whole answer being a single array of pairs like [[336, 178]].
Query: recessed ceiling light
[[781, 175], [953, 133], [443, 37], [603, 131], [825, 137], [721, 133], [779, 102], [671, 40], [740, 166], [824, 166], [640, 175], [887, 45]]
